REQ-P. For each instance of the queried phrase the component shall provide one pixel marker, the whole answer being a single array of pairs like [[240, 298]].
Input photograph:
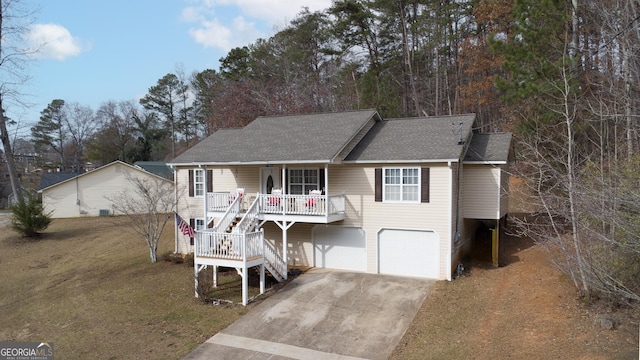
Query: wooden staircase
[[273, 262], [237, 241]]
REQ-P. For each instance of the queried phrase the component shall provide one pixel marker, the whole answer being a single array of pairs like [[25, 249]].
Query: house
[[88, 194], [346, 190]]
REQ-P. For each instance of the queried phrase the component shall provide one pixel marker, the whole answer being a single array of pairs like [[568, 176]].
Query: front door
[[270, 179]]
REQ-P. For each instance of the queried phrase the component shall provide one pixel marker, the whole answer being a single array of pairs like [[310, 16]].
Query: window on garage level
[[199, 224]]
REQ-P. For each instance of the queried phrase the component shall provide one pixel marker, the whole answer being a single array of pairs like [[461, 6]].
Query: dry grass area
[[88, 286], [523, 310]]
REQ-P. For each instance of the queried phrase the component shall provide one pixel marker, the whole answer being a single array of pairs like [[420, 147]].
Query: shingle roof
[[49, 179], [489, 147], [414, 139], [159, 168], [281, 139]]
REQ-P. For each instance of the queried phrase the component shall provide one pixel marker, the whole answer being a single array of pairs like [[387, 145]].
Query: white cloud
[[53, 41], [211, 33], [242, 28], [277, 12]]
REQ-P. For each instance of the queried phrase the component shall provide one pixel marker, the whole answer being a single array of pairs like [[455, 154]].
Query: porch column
[[262, 278], [206, 220], [326, 180], [282, 177], [495, 244], [245, 285], [285, 227], [284, 249]]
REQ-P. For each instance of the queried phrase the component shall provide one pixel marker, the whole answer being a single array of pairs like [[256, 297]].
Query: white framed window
[[198, 182], [199, 224], [301, 181], [401, 184]]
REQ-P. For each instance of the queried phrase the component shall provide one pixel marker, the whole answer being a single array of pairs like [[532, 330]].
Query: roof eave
[[246, 163], [412, 161], [484, 162]]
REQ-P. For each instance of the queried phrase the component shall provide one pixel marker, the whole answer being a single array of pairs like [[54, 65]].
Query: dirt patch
[[523, 310]]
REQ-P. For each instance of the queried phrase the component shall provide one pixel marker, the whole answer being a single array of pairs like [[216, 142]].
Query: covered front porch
[[313, 208], [237, 240]]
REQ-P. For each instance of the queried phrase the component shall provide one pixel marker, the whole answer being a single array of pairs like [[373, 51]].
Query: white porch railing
[[274, 262], [287, 204], [301, 204], [229, 246], [233, 209], [250, 219], [219, 201]]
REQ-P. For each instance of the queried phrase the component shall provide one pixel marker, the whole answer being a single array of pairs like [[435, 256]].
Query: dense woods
[[562, 75]]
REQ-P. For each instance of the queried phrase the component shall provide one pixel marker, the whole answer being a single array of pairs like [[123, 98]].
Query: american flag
[[184, 227]]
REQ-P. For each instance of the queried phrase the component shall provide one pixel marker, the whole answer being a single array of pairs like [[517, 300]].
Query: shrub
[[29, 217]]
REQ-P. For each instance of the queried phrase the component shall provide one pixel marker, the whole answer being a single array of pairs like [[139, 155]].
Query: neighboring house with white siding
[[88, 194], [345, 190]]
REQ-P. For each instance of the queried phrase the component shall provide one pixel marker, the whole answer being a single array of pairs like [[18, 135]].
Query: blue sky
[[92, 51]]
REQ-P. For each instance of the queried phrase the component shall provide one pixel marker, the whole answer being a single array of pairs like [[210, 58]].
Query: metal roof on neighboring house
[[489, 147], [281, 139], [415, 139]]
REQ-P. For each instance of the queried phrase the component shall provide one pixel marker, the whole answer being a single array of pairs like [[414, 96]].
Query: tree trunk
[[407, 61], [8, 154], [569, 112], [153, 254]]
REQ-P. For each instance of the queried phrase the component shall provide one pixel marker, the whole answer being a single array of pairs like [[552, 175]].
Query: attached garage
[[340, 247], [409, 253]]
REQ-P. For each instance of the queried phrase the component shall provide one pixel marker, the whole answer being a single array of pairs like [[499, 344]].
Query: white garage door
[[409, 253], [339, 247]]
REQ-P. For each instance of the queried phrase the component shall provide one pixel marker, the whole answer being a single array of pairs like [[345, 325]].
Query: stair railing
[[274, 262], [229, 215], [249, 221]]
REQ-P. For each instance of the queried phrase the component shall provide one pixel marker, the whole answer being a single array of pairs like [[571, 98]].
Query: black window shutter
[[191, 183], [284, 183], [192, 222], [424, 186], [378, 185], [209, 181], [321, 175]]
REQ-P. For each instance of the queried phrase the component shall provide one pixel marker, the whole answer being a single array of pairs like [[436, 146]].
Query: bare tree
[[80, 123], [149, 204], [14, 23]]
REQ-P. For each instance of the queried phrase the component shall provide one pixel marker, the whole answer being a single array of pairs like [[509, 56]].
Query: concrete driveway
[[323, 314]]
